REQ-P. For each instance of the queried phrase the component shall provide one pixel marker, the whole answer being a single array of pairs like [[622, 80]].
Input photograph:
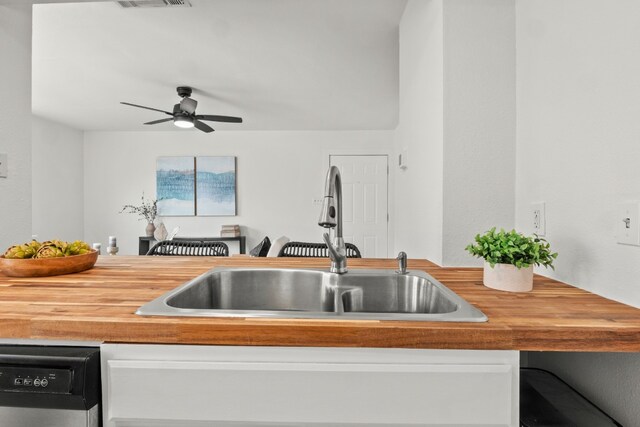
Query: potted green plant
[[147, 210], [509, 258]]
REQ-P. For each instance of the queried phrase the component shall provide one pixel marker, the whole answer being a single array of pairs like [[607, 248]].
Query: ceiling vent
[[154, 3]]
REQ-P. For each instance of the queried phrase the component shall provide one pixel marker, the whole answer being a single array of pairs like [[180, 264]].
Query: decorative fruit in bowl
[[50, 258], [48, 249]]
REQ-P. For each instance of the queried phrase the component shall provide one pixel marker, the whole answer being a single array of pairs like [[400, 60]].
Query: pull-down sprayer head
[[331, 213], [328, 213]]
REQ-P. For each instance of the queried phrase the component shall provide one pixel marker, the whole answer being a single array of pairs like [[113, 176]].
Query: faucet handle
[[326, 238], [333, 254], [402, 263], [337, 253]]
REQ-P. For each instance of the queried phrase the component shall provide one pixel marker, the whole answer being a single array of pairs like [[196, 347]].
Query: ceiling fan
[[184, 114]]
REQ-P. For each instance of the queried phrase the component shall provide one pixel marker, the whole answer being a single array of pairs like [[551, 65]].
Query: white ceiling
[[279, 64]]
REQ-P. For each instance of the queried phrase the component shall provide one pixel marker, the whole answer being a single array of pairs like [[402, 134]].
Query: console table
[[144, 242]]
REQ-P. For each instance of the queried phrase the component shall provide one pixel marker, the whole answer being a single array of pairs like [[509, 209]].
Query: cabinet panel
[[374, 394], [217, 386]]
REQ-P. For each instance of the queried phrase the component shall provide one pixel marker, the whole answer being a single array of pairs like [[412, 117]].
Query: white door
[[364, 211]]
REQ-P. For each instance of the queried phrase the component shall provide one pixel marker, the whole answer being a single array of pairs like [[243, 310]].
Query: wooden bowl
[[48, 266]]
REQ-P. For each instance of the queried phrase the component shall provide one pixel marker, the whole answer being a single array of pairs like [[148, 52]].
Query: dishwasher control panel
[[34, 379]]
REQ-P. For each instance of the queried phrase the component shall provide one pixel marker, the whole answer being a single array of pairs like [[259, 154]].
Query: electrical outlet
[[538, 218], [3, 166], [627, 224]]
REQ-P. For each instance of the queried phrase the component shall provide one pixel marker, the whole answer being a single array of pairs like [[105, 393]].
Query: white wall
[[578, 150], [278, 176], [579, 135], [418, 189], [457, 122], [58, 181], [479, 122], [15, 123]]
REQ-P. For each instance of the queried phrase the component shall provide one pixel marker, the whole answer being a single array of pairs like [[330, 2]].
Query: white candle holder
[[98, 247], [112, 250]]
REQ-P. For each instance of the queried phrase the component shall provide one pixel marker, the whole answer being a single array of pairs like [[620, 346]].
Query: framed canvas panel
[[175, 186], [216, 186]]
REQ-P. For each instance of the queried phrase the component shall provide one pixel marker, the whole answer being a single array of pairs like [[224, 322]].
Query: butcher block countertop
[[99, 305]]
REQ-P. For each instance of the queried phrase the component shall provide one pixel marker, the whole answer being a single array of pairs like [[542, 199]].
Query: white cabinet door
[[308, 387]]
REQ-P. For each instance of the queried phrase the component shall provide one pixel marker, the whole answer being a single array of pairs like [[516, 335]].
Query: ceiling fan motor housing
[[184, 91], [188, 105]]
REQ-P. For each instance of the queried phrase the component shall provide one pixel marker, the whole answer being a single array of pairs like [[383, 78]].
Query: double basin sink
[[317, 294]]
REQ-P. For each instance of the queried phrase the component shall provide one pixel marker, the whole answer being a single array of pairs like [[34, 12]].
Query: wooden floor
[[99, 305]]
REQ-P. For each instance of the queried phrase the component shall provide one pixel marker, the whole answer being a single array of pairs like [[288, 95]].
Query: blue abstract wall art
[[175, 184], [203, 186], [215, 186]]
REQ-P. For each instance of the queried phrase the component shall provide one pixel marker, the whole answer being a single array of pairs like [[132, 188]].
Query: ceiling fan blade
[[155, 122], [147, 108], [227, 119], [202, 126]]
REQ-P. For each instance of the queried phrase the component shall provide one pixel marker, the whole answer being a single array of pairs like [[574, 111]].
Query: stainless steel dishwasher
[[51, 386]]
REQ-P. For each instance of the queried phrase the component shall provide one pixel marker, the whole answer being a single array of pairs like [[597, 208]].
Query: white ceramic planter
[[507, 277], [151, 228]]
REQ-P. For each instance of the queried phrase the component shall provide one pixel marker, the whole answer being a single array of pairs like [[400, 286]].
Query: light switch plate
[[627, 223], [3, 166], [538, 219], [403, 158]]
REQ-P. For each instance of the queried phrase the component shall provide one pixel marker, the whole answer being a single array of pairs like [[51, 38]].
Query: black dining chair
[[189, 248], [314, 250]]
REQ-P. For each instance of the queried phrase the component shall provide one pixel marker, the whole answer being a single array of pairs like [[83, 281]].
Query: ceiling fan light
[[183, 122]]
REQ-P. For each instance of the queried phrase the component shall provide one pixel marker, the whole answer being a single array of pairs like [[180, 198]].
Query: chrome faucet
[[330, 217]]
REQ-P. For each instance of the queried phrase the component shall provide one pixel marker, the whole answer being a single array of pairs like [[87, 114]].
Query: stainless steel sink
[[301, 293], [251, 290]]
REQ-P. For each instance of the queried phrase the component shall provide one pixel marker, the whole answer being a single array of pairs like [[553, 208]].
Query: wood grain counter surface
[[99, 305]]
